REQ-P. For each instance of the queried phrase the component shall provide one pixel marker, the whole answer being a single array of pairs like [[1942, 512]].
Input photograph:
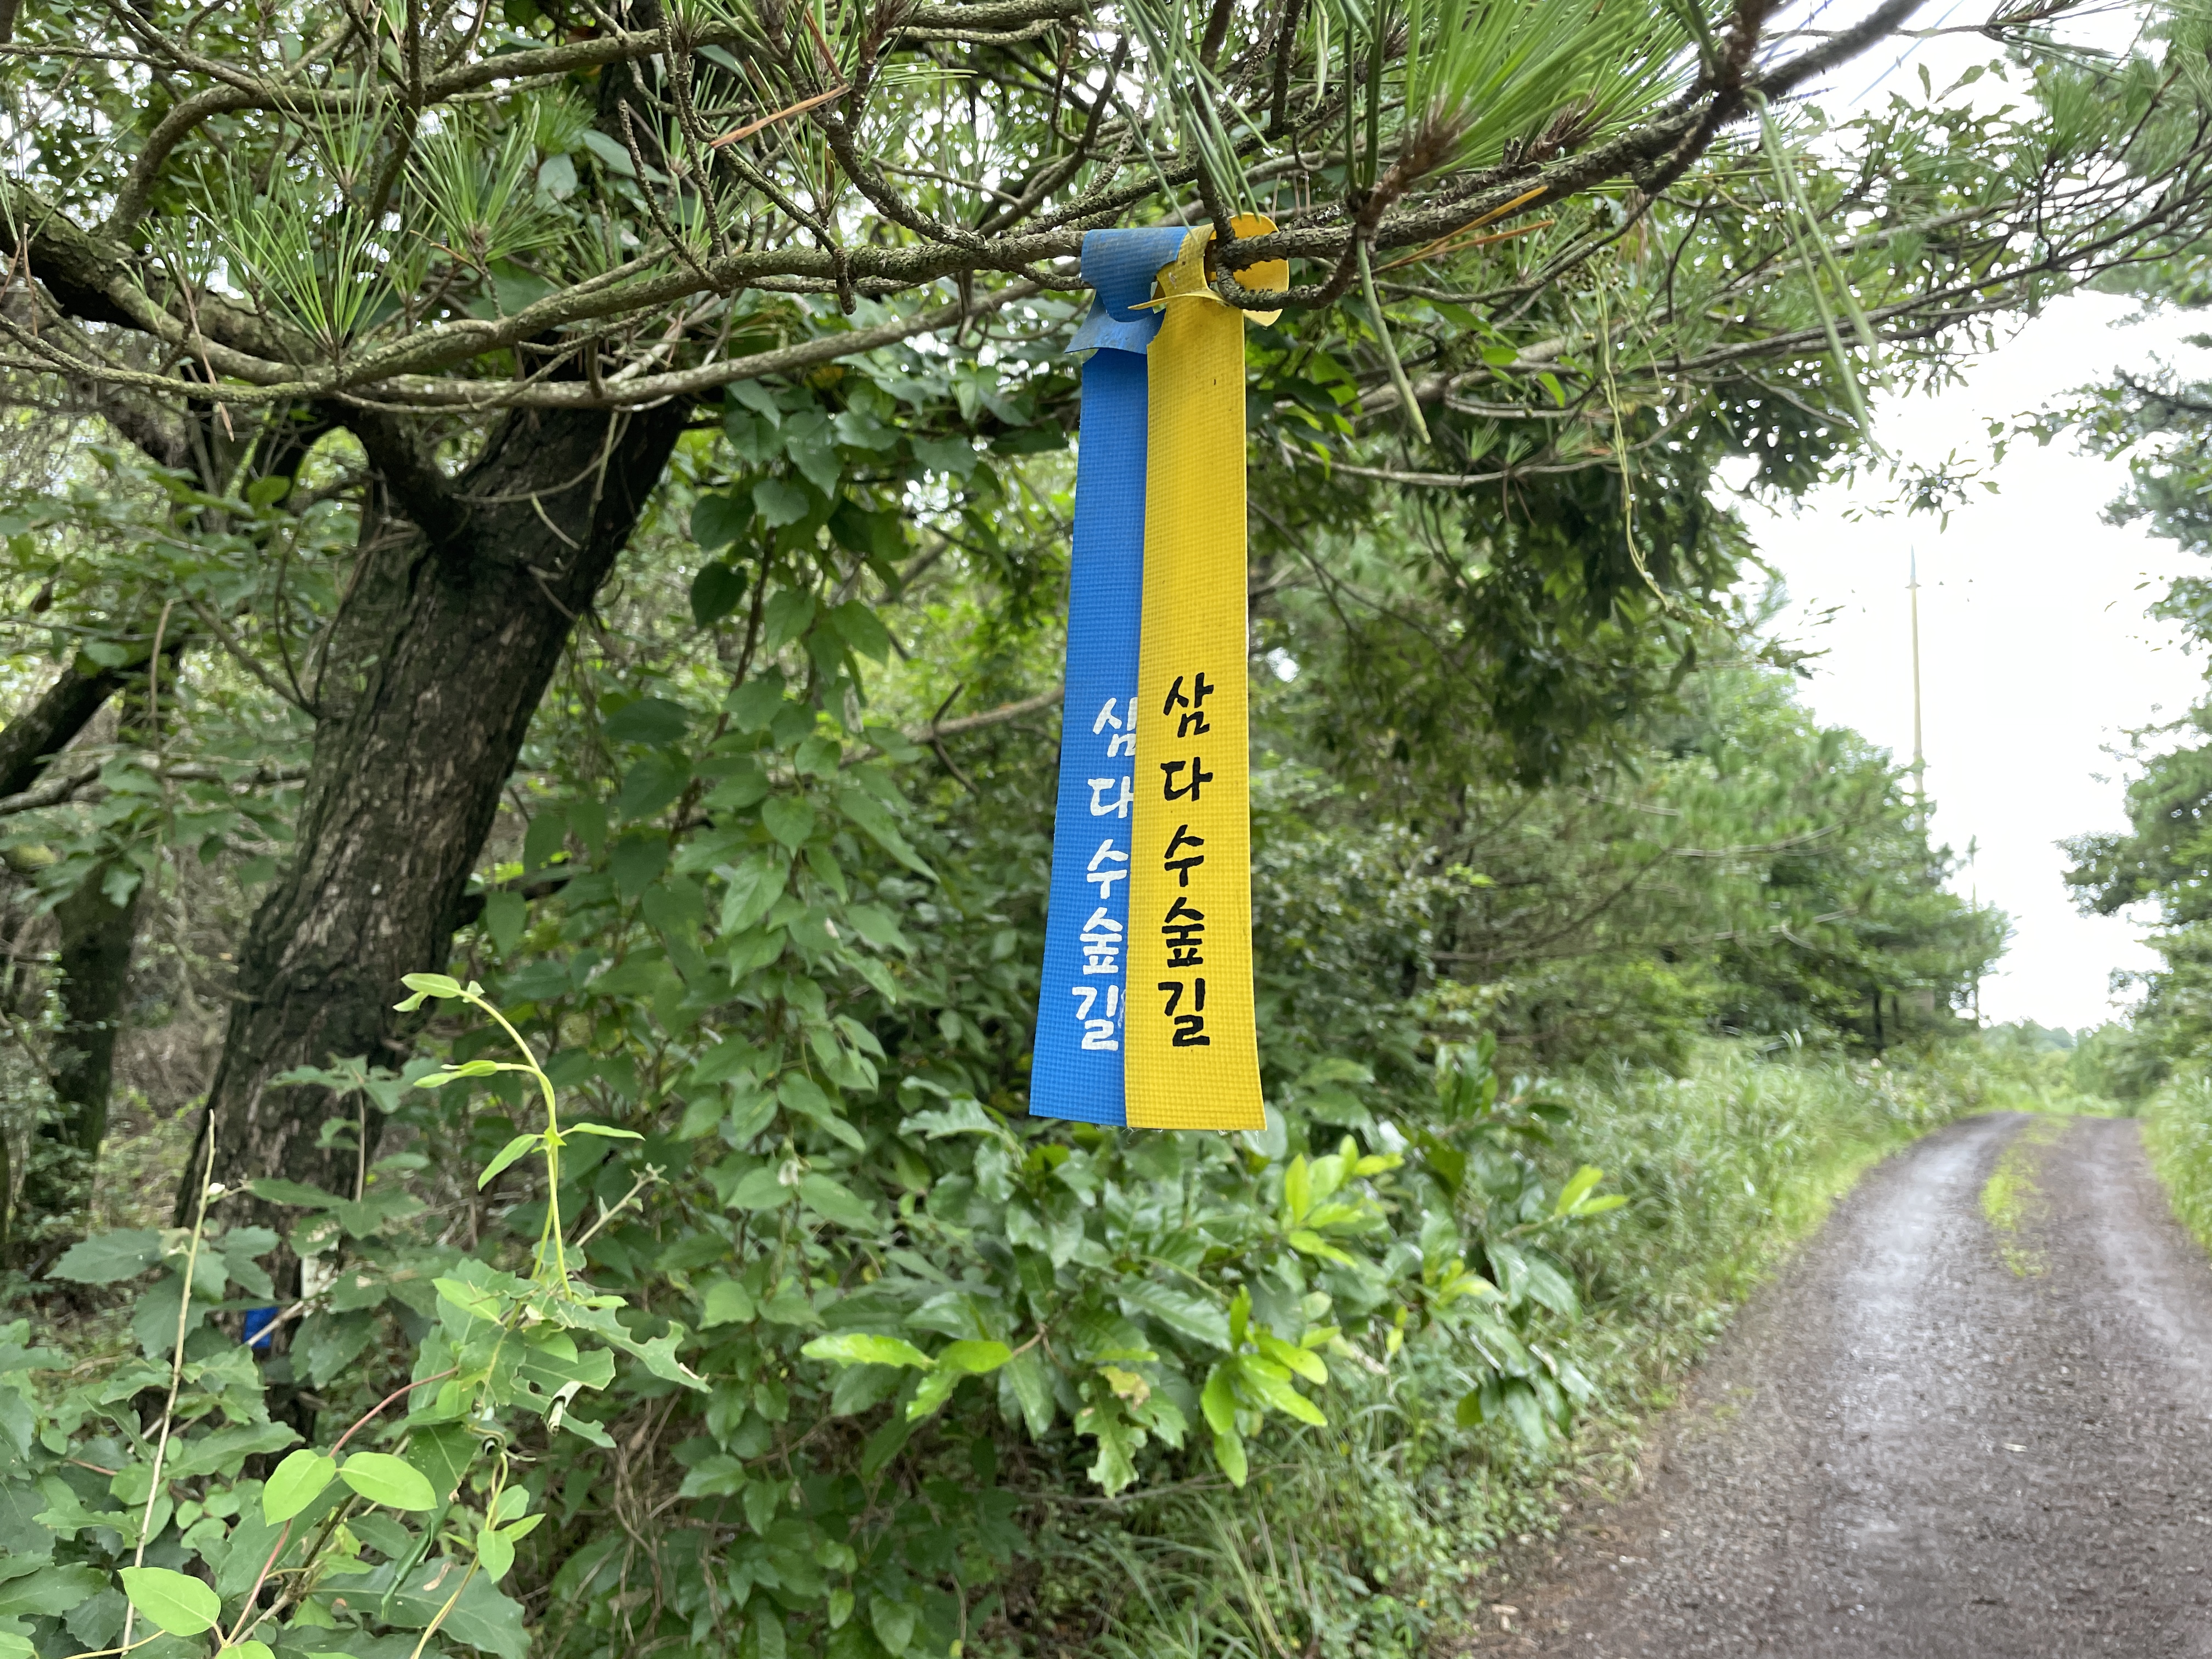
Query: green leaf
[[1469, 1413], [649, 786], [1577, 1184], [803, 1095], [444, 1453], [872, 816], [495, 1554], [727, 1302], [750, 890], [391, 1481], [973, 1357], [1181, 1311], [861, 629], [716, 591], [251, 1650], [1277, 1391], [860, 1348], [108, 1258], [779, 502], [1548, 1286], [483, 1617], [716, 521], [441, 986], [761, 1190], [603, 1131], [893, 1622], [932, 1392], [654, 720], [1301, 1361], [1229, 1452], [295, 1193], [178, 1603], [297, 1482], [505, 916], [513, 1149], [836, 1203], [1218, 1402], [790, 821], [51, 1591], [1526, 1413]]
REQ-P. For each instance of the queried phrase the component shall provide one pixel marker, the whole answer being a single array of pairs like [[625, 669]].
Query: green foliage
[[1369, 1539], [2177, 1127], [1083, 1282]]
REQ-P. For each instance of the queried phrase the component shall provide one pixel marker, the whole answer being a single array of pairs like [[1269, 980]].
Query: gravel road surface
[[1971, 1420]]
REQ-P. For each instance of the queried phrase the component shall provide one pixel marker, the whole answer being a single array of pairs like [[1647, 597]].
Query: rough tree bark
[[463, 598]]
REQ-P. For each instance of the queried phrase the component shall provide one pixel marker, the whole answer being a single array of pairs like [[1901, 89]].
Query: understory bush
[[1042, 1390], [1368, 1538]]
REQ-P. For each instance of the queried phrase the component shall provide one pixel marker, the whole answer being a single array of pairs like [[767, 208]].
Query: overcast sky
[[2036, 655]]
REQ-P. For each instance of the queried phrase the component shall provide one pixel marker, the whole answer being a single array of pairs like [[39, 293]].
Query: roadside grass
[[2177, 1127], [1370, 1538]]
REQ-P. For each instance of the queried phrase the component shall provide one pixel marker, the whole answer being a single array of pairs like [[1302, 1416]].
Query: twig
[[176, 1370]]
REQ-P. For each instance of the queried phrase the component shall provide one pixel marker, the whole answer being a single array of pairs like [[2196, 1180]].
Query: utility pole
[[1919, 760]]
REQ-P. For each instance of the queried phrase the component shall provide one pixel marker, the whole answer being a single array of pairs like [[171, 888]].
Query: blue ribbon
[[1076, 1071]]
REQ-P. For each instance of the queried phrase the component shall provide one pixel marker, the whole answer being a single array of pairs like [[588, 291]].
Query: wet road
[[1973, 1419]]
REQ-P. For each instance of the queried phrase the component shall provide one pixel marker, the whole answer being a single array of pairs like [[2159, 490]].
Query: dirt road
[[1973, 1421]]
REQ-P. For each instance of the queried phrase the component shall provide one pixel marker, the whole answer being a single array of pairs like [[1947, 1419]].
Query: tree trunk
[[94, 961], [453, 628]]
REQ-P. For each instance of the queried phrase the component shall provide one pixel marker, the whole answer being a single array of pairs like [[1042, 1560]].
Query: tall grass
[[1368, 1539], [2176, 1123]]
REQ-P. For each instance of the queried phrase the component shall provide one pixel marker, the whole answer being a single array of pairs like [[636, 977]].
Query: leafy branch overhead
[[458, 208]]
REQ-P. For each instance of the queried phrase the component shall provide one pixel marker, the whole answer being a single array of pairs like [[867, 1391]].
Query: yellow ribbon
[[1192, 1056]]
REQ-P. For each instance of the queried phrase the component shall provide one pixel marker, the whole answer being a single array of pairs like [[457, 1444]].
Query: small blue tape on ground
[[1077, 1070]]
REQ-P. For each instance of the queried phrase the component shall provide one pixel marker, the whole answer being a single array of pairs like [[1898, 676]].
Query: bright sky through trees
[[2036, 654]]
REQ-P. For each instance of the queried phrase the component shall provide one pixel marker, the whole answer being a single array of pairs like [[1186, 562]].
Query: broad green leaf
[[836, 1203], [109, 1258], [654, 720], [1185, 1313], [50, 1591], [1301, 1361], [494, 1552], [177, 1603], [441, 986], [973, 1357], [789, 820], [727, 1302], [872, 816], [1526, 1414], [932, 1392], [1548, 1286], [716, 591], [859, 1348], [444, 1453], [893, 1622], [1259, 1377], [298, 1193], [779, 502], [296, 1483], [391, 1481]]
